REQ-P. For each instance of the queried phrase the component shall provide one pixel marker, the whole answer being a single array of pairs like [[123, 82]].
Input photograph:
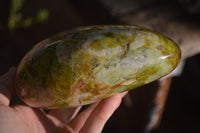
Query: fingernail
[[124, 94]]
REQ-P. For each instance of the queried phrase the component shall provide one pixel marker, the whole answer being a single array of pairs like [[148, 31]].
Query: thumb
[[7, 86]]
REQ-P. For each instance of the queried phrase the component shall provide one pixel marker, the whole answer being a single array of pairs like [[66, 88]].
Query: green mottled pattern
[[87, 64]]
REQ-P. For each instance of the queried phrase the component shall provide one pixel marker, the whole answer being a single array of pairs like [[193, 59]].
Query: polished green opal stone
[[87, 64]]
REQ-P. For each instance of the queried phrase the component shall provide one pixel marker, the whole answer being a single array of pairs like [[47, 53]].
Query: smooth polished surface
[[88, 64]]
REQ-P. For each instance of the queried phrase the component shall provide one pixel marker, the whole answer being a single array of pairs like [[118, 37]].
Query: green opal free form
[[84, 65]]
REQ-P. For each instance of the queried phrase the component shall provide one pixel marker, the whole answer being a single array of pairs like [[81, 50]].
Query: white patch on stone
[[50, 44], [128, 82]]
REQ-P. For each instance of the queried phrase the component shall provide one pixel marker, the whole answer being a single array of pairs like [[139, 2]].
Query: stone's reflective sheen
[[87, 64]]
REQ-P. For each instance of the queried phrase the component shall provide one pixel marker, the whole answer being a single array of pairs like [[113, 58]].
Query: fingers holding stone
[[65, 114], [96, 115], [93, 118], [101, 114], [78, 122], [7, 86]]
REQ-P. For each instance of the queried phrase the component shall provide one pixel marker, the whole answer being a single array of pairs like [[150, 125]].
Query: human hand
[[20, 118]]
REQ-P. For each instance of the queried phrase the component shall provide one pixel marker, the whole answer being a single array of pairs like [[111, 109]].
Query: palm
[[22, 118]]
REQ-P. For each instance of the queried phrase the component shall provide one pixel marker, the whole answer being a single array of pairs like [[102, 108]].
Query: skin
[[21, 118]]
